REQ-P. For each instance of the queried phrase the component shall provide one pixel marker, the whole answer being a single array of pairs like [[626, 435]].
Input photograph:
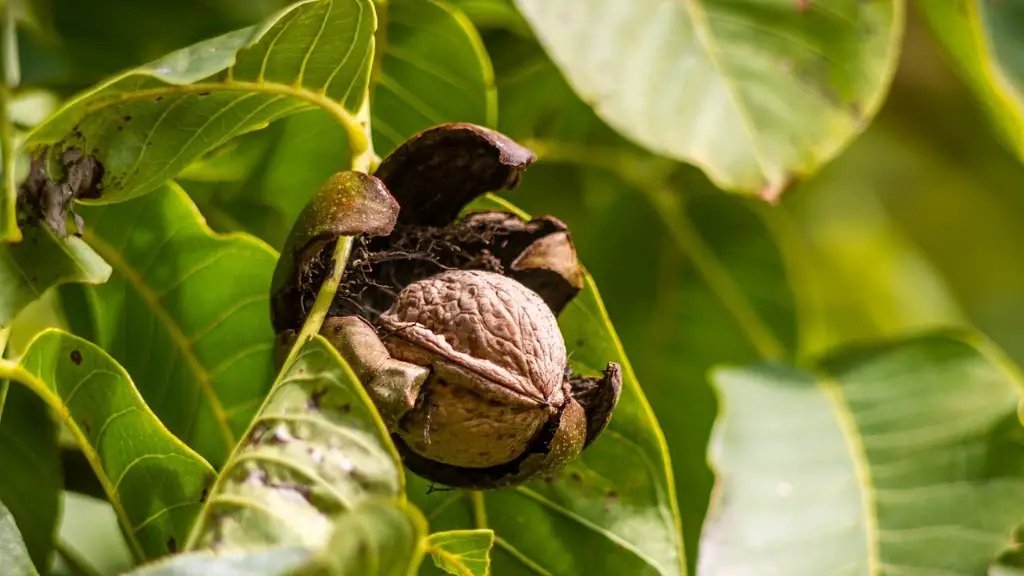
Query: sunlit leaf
[[31, 484], [149, 123], [897, 457], [315, 449], [154, 482], [613, 510], [494, 14], [186, 314], [42, 260], [432, 68], [462, 552], [754, 94], [983, 38], [14, 558]]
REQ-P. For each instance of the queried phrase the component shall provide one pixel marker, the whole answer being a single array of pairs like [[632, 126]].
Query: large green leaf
[[431, 68], [147, 124], [30, 485], [315, 449], [612, 510], [40, 261], [754, 93], [14, 558], [186, 314], [983, 39], [155, 483], [903, 457], [376, 538], [462, 552]]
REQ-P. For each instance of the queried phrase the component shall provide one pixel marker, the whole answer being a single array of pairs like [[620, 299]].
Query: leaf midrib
[[152, 301]]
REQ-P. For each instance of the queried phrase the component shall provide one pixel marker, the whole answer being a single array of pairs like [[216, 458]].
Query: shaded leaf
[[31, 484], [494, 14], [613, 510], [40, 261], [902, 456], [753, 94], [14, 558], [154, 482], [186, 314], [983, 39], [462, 552], [315, 450], [432, 68], [147, 124]]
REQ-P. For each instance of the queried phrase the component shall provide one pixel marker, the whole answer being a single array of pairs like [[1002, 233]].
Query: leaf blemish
[[76, 357], [172, 545]]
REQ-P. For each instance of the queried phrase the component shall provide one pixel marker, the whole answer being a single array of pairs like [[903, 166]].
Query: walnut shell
[[498, 365]]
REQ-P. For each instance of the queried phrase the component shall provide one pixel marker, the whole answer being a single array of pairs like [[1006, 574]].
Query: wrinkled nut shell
[[498, 363]]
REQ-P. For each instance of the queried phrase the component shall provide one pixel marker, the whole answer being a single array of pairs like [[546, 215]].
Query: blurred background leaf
[[14, 558]]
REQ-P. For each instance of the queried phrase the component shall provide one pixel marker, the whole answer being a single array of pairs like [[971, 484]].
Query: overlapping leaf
[[14, 558], [431, 68], [315, 450], [40, 261], [901, 457], [983, 39], [186, 313], [612, 510], [154, 482], [149, 123], [754, 94], [462, 552]]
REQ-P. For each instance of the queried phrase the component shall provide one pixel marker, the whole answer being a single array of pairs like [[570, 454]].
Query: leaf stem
[[77, 563], [9, 73], [5, 384], [476, 497]]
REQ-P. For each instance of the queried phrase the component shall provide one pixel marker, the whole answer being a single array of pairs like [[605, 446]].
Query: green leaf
[[906, 456], [9, 78], [755, 95], [494, 14], [462, 552], [433, 69], [40, 261], [14, 558], [983, 39], [32, 481], [185, 312], [154, 482], [315, 449], [613, 510], [147, 124], [376, 538]]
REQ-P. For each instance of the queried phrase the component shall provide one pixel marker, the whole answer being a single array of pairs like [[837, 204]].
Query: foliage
[[801, 224]]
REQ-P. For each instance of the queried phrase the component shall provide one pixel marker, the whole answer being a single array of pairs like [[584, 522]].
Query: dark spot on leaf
[[576, 478], [202, 497], [345, 408], [316, 397], [612, 495], [86, 427], [127, 118], [172, 545], [205, 93], [76, 357], [120, 127], [159, 98]]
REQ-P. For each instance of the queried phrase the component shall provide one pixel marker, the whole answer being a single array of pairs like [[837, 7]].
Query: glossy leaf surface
[[315, 450], [186, 313], [754, 93], [147, 124], [901, 457], [462, 552], [154, 482], [613, 509]]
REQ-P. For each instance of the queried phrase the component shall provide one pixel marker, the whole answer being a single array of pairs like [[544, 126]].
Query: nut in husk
[[450, 323]]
